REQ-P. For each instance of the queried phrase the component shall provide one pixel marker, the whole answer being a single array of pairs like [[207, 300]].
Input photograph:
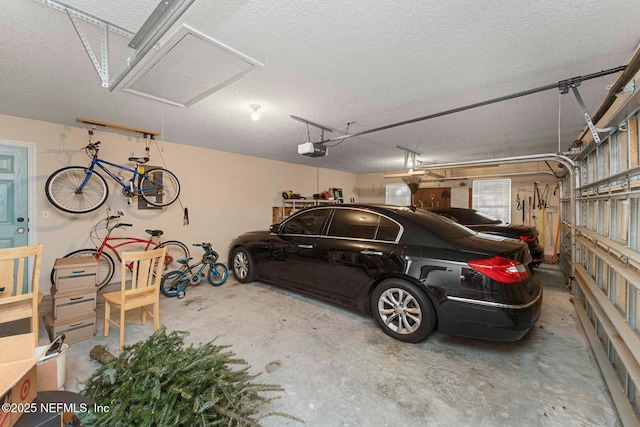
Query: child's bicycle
[[175, 282]]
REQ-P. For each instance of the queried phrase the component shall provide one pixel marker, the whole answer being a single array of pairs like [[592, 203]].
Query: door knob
[[20, 230]]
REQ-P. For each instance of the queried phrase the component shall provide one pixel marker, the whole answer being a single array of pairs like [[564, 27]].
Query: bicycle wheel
[[175, 251], [106, 266], [173, 283], [62, 190], [159, 187], [217, 274]]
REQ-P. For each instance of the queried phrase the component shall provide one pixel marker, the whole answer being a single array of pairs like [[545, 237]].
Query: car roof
[[466, 215], [440, 209], [379, 207], [411, 218]]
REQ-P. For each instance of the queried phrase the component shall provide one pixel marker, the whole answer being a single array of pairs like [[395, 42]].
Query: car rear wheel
[[402, 310], [243, 266]]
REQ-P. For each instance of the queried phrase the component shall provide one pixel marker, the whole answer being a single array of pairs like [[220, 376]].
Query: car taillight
[[528, 238], [503, 270]]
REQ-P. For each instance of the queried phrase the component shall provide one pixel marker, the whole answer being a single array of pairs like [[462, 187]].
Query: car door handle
[[305, 246], [365, 252]]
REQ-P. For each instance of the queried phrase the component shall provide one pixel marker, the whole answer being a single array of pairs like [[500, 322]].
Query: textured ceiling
[[369, 62]]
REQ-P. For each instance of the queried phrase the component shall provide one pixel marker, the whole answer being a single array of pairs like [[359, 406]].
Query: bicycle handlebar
[[204, 245], [123, 225], [92, 145]]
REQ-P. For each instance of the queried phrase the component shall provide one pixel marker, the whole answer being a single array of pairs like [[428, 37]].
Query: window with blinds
[[398, 194], [493, 197]]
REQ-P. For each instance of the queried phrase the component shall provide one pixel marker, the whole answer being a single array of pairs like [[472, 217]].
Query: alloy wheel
[[241, 265], [399, 311]]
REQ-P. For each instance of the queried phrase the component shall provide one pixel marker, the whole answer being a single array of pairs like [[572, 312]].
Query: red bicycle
[[106, 266]]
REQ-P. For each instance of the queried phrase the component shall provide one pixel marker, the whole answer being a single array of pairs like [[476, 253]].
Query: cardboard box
[[22, 393], [75, 329], [18, 375], [73, 304], [72, 274], [5, 417]]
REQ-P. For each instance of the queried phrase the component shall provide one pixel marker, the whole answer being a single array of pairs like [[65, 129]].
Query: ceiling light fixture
[[255, 116]]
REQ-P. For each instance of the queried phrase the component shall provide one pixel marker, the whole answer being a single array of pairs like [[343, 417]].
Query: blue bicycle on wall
[[79, 189]]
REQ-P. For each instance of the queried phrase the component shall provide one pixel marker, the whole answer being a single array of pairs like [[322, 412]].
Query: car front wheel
[[402, 310], [243, 266]]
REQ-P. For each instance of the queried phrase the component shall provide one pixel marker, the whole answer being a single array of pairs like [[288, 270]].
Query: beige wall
[[226, 194]]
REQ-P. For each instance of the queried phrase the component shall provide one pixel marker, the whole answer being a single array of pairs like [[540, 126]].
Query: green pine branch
[[160, 382]]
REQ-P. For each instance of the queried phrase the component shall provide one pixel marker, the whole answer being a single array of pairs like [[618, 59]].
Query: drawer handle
[[78, 272], [75, 298], [77, 324]]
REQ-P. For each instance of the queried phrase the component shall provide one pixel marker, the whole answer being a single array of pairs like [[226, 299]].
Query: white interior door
[[14, 196]]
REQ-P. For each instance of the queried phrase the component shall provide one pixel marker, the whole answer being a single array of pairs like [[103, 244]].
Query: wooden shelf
[[289, 206]]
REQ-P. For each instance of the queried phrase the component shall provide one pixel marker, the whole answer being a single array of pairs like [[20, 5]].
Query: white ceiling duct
[[187, 68]]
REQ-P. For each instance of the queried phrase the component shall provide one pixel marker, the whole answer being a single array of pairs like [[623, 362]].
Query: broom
[[413, 182]]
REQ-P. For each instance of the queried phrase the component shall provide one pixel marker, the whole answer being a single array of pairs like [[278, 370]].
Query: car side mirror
[[275, 228]]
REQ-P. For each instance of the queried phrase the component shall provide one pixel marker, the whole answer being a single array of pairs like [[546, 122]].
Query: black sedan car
[[413, 270], [483, 223]]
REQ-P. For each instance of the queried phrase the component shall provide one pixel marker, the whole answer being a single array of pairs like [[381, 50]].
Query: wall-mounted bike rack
[[144, 133]]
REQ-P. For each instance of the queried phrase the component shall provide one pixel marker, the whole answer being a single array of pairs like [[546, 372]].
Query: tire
[[106, 266], [243, 268], [173, 284], [402, 310], [217, 274], [150, 189], [61, 189], [175, 250]]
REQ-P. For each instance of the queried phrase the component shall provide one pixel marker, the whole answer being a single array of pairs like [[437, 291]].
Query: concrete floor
[[338, 369]]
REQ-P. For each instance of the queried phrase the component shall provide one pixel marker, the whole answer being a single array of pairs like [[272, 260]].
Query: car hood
[[256, 232], [250, 236]]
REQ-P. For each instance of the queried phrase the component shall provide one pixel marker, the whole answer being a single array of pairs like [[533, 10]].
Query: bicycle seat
[[184, 261], [139, 160], [154, 233]]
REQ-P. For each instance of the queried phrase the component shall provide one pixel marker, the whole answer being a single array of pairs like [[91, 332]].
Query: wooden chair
[[15, 302], [142, 292]]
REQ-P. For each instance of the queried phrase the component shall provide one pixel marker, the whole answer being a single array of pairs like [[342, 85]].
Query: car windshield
[[440, 226]]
